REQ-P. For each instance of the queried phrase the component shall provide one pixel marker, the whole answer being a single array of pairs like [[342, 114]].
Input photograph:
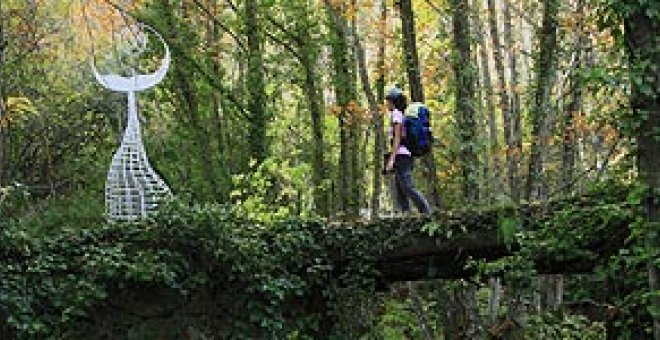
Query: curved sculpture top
[[138, 82]]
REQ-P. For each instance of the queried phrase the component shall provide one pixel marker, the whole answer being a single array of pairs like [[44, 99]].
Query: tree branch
[[215, 20]]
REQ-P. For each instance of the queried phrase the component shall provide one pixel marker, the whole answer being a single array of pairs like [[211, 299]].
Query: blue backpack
[[418, 137]]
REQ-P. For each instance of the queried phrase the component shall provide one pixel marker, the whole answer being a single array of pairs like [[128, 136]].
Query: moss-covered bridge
[[205, 268]]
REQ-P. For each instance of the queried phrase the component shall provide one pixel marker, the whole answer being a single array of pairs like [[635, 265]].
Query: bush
[[563, 326]]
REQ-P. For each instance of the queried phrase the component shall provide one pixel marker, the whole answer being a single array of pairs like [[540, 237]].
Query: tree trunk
[[484, 178], [466, 317], [556, 282], [189, 97], [357, 171], [569, 135], [642, 38], [377, 118], [373, 107], [410, 51], [465, 321], [501, 85], [550, 288], [411, 59], [318, 162], [516, 131], [221, 193], [345, 93], [494, 299], [3, 46], [496, 185], [536, 185], [308, 54], [462, 313], [344, 167], [256, 88], [465, 115]]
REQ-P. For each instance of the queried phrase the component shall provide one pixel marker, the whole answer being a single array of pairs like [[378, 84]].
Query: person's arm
[[395, 146]]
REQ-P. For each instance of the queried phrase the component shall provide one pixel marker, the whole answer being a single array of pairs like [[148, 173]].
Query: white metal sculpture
[[133, 189]]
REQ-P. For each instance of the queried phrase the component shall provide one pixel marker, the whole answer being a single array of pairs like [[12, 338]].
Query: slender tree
[[373, 105], [505, 101], [377, 118], [189, 97], [642, 40], [411, 60], [3, 47], [355, 131], [545, 69], [344, 86], [411, 57], [495, 185], [217, 113], [308, 57], [464, 74], [255, 82], [570, 113], [495, 178], [515, 139], [465, 323], [299, 41]]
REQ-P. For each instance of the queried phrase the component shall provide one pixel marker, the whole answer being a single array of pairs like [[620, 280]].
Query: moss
[[201, 268]]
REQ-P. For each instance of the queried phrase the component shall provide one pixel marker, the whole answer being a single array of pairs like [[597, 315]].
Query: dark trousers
[[404, 186]]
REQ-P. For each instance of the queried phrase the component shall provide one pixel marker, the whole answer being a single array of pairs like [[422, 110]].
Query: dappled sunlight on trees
[[271, 126]]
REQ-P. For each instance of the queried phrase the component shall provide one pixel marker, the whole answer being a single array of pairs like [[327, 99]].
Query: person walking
[[400, 159]]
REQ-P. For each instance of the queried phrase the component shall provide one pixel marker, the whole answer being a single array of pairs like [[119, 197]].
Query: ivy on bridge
[[288, 275]]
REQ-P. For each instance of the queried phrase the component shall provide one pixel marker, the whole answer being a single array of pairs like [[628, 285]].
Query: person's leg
[[394, 193], [392, 187], [408, 186], [400, 194], [399, 190]]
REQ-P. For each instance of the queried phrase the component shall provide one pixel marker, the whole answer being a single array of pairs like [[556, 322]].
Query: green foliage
[[49, 216], [284, 272], [448, 231], [507, 228], [397, 321], [14, 199], [273, 191], [627, 268], [566, 234], [563, 326], [60, 261], [286, 277]]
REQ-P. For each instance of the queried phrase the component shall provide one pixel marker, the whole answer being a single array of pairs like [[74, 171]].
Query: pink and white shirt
[[396, 117]]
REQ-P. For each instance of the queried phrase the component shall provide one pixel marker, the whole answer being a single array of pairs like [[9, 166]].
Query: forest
[[264, 210]]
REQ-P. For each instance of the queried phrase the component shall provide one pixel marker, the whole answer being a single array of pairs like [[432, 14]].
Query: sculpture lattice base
[[133, 189]]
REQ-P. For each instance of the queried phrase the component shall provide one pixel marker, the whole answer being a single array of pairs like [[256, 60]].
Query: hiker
[[400, 159]]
